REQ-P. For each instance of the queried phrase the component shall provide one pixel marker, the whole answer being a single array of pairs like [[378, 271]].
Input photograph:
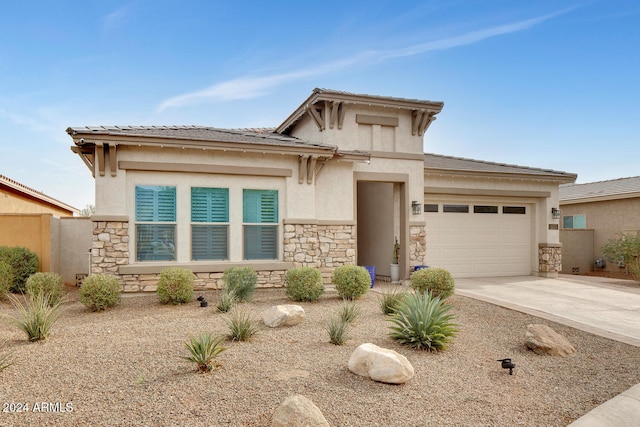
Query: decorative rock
[[380, 364], [283, 315], [544, 340], [298, 411]]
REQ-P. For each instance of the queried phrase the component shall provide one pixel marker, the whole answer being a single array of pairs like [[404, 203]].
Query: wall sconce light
[[416, 208], [555, 213]]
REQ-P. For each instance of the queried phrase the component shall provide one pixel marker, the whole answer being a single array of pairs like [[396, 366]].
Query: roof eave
[[560, 178]]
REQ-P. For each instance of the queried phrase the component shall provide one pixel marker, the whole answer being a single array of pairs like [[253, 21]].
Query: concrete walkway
[[596, 305]]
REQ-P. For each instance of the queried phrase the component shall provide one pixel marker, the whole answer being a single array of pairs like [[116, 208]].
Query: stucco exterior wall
[[32, 231], [73, 248], [13, 203], [607, 219], [577, 251]]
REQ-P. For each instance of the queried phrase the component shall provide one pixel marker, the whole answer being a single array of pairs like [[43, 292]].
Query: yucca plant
[[227, 300], [391, 300], [337, 329], [203, 350], [241, 326], [423, 322], [6, 358], [349, 312], [35, 316]]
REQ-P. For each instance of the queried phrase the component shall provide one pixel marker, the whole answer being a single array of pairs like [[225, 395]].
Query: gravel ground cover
[[125, 367]]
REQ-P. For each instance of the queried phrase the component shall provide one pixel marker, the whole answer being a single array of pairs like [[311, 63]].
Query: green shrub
[[226, 301], [438, 281], [100, 292], [36, 316], [6, 358], [625, 252], [351, 281], [203, 350], [304, 284], [241, 280], [50, 284], [175, 286], [6, 279], [241, 327], [391, 300], [23, 262], [423, 321], [337, 329], [349, 312]]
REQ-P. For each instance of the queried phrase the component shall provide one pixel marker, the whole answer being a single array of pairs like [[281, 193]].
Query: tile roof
[[263, 136], [612, 189], [449, 163], [28, 191]]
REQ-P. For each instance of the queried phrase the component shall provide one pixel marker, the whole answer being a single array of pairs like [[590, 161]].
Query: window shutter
[[209, 204], [209, 242], [155, 204], [260, 206]]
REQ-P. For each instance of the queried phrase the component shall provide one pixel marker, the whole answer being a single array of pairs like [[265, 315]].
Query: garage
[[475, 238]]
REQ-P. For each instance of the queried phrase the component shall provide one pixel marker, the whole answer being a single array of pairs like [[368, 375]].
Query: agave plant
[[36, 315], [203, 350], [423, 322]]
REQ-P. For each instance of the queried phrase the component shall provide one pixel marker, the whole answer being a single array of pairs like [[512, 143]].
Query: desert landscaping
[[125, 366]]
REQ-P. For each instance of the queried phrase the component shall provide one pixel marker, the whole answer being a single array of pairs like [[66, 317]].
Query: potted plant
[[395, 266]]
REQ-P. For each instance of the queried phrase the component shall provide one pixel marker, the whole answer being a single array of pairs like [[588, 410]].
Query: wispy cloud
[[254, 87], [116, 19]]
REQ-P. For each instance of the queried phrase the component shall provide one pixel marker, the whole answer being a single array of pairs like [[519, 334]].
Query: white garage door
[[479, 239]]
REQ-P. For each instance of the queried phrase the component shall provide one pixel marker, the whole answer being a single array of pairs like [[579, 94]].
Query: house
[[592, 214], [336, 183], [34, 220]]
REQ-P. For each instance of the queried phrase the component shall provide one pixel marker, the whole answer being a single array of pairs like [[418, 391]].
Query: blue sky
[[548, 84]]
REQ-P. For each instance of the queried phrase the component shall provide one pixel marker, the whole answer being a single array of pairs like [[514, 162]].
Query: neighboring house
[[592, 214], [336, 183], [34, 220]]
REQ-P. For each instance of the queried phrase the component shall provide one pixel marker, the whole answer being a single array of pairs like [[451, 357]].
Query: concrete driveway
[[596, 305]]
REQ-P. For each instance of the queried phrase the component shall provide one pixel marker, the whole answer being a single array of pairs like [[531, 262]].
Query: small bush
[[175, 286], [391, 300], [423, 322], [203, 350], [241, 280], [226, 301], [23, 262], [351, 281], [6, 279], [241, 327], [337, 329], [438, 281], [6, 358], [36, 316], [50, 284], [100, 292], [304, 284], [349, 312]]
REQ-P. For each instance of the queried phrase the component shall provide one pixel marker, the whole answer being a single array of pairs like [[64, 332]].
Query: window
[[514, 210], [155, 223], [209, 223], [485, 209], [260, 224], [574, 221], [456, 208], [431, 208]]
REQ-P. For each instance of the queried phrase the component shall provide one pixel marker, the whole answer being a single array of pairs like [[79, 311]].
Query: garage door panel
[[479, 244]]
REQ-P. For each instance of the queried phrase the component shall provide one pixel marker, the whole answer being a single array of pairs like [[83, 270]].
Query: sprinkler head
[[507, 364]]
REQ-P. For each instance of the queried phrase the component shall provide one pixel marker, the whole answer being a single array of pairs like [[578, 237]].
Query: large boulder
[[283, 315], [298, 411], [541, 339], [380, 364]]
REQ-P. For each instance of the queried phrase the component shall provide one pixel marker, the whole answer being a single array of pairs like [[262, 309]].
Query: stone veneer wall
[[321, 246], [549, 259], [417, 245], [110, 247]]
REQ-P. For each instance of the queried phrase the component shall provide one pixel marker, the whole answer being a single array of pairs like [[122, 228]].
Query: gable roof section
[[622, 188], [30, 193], [318, 95], [448, 165]]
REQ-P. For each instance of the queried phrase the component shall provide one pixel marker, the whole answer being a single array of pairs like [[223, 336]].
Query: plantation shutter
[[209, 241], [260, 207], [155, 204]]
